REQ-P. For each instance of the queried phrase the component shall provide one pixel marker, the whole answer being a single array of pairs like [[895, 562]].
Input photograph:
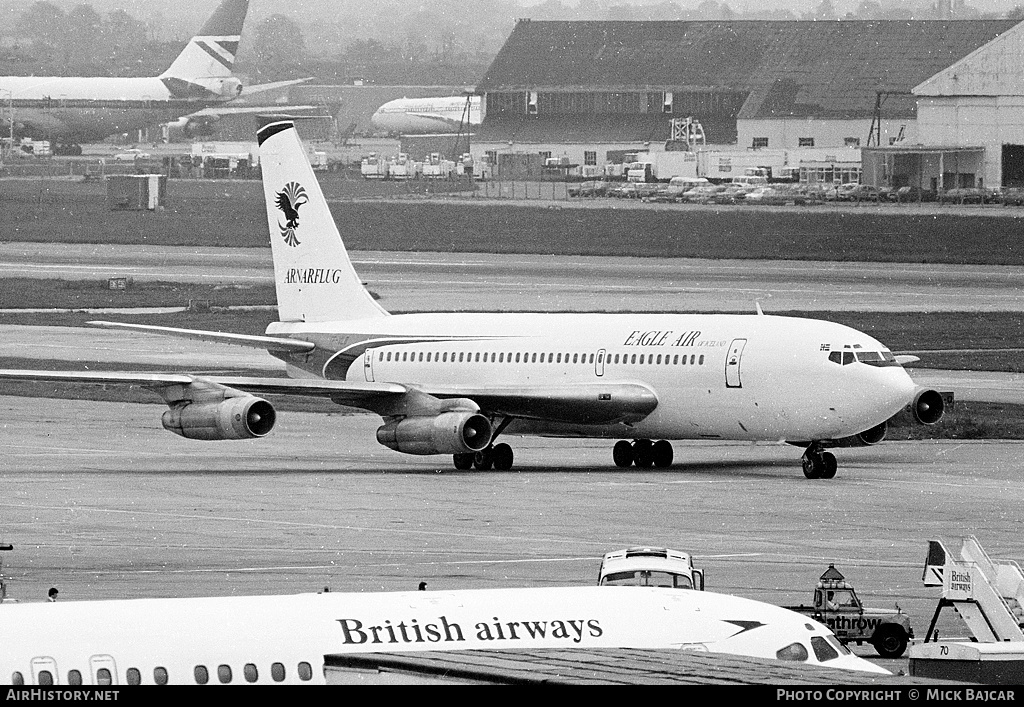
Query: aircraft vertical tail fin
[[314, 275], [209, 57]]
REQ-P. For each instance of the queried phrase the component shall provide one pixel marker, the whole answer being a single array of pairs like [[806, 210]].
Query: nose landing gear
[[819, 464]]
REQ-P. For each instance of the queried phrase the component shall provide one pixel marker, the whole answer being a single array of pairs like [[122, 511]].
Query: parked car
[[1012, 196], [841, 192], [963, 195], [130, 155], [703, 195], [909, 194], [766, 195], [588, 189], [863, 192]]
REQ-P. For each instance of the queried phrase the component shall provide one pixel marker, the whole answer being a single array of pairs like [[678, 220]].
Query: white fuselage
[[745, 377], [240, 639], [90, 108], [412, 116]]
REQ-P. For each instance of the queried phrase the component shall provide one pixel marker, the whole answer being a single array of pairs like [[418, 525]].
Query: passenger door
[[599, 362], [104, 670], [732, 363], [368, 365]]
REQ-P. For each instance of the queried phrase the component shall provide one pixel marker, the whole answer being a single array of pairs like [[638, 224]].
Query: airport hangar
[[591, 91]]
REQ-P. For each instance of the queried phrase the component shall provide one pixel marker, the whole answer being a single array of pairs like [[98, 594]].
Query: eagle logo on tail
[[288, 201]]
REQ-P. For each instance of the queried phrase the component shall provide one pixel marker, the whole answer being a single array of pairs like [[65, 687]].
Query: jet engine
[[455, 432], [875, 435], [928, 406], [241, 417], [230, 87]]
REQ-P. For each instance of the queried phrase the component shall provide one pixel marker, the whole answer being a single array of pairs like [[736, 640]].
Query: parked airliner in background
[[73, 110], [288, 639], [411, 116], [450, 383]]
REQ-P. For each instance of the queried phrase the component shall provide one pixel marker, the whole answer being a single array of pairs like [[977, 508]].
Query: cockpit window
[[822, 650], [871, 358], [793, 652], [647, 578], [838, 645], [877, 358]]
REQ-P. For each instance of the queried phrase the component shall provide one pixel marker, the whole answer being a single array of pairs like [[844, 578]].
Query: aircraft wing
[[264, 87], [595, 403], [268, 343], [592, 403], [352, 393]]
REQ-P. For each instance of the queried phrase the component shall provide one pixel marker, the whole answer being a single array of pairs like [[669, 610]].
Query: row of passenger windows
[[625, 359], [200, 673]]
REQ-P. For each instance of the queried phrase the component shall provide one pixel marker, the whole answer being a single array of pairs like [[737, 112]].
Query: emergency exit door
[[732, 363]]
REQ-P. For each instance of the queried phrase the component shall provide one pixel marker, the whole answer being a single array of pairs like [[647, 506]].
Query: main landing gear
[[819, 464], [495, 456], [642, 452]]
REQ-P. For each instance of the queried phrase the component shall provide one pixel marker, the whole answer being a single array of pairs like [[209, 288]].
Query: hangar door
[[1013, 166]]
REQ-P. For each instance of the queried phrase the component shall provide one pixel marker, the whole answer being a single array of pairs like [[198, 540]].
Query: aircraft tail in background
[[208, 60], [315, 278]]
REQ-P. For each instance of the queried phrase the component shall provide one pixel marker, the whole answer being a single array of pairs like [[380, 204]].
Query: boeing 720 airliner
[[288, 639], [451, 383], [79, 109], [411, 116]]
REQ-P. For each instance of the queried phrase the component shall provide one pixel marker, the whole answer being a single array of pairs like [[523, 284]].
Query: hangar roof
[[821, 69]]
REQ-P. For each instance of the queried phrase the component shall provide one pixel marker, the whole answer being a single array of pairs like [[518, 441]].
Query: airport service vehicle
[[402, 167], [437, 167], [82, 109], [288, 639], [650, 567], [453, 383], [837, 605], [374, 167], [661, 166]]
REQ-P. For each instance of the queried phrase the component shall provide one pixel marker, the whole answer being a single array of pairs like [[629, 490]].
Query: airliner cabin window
[[17, 679], [201, 674], [133, 676], [160, 675], [305, 671], [74, 677], [224, 673], [103, 677], [277, 673], [700, 362], [45, 678], [250, 672]]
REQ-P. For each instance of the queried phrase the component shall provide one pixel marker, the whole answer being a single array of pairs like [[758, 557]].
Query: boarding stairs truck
[[650, 567], [987, 594], [837, 605]]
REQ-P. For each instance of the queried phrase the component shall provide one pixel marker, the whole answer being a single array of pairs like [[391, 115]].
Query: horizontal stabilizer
[[268, 343]]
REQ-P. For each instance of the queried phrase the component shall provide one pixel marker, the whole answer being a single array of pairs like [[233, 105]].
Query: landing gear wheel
[[890, 641], [829, 465], [643, 454], [463, 461], [622, 454], [484, 459], [812, 468], [502, 456], [661, 453]]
